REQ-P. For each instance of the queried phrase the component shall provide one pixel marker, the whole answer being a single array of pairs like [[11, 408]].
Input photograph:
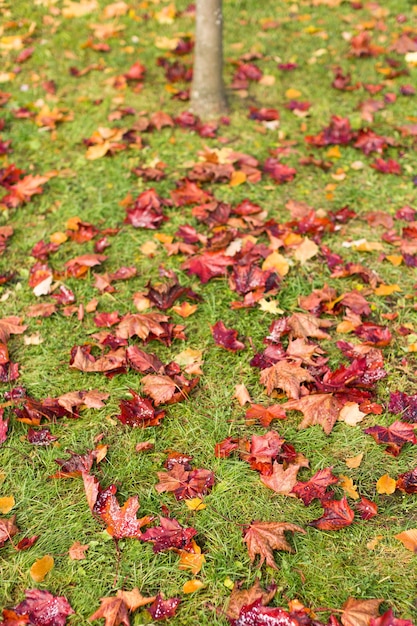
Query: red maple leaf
[[258, 615], [224, 449], [189, 193], [4, 424], [44, 609], [265, 414], [226, 337], [389, 619], [366, 508], [185, 484], [316, 486], [337, 514], [374, 334], [390, 166], [170, 534], [407, 482], [207, 265], [139, 412], [162, 609], [395, 436]]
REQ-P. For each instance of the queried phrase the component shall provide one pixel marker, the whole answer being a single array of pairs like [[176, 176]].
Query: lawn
[[131, 235]]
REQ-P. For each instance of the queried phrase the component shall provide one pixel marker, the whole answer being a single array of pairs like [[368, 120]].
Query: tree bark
[[207, 92]]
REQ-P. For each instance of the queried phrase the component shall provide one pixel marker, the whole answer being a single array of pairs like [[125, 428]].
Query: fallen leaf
[[77, 551], [242, 394], [409, 539], [285, 376], [192, 585], [348, 487], [41, 568], [354, 461], [6, 504], [243, 597], [264, 537], [386, 485], [113, 610], [359, 612]]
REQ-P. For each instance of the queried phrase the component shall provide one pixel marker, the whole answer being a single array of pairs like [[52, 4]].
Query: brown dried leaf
[[318, 408], [285, 376], [359, 612], [264, 537]]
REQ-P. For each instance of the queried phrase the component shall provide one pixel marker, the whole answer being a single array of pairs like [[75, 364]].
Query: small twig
[[227, 518], [118, 559]]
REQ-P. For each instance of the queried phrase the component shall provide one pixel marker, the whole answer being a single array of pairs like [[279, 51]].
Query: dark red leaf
[[185, 484], [407, 482], [278, 171], [316, 486], [4, 424], [374, 334], [390, 166], [224, 449], [207, 265], [256, 614], [226, 337], [389, 619], [162, 609], [27, 542], [337, 133], [40, 437], [170, 534], [400, 402], [367, 509], [44, 609], [144, 362], [395, 436], [139, 412], [337, 514]]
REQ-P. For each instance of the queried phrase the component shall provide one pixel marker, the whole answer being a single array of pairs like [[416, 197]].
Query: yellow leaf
[[345, 327], [395, 259], [41, 567], [192, 585], [291, 94], [368, 246], [238, 178], [267, 80], [185, 309], [409, 539], [354, 461], [166, 15], [371, 545], [351, 414], [195, 504], [270, 307], [6, 77], [385, 484], [97, 151], [228, 583], [58, 237], [386, 290], [165, 43], [334, 153], [149, 248], [79, 9], [6, 504], [292, 239], [11, 42], [348, 487], [192, 560], [73, 223], [275, 261], [306, 251], [163, 238]]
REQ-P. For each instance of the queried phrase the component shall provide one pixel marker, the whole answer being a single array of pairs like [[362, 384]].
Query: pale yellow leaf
[[275, 261], [307, 250], [351, 414], [354, 461], [97, 151]]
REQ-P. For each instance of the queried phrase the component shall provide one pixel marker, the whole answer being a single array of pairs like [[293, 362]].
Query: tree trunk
[[207, 91]]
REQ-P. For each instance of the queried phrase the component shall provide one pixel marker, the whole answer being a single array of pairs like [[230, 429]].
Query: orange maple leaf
[[285, 376], [318, 408], [264, 537]]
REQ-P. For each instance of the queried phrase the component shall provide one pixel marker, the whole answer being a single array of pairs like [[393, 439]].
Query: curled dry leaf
[[359, 612]]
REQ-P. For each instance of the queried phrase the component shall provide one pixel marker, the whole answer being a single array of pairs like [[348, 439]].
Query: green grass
[[327, 566]]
